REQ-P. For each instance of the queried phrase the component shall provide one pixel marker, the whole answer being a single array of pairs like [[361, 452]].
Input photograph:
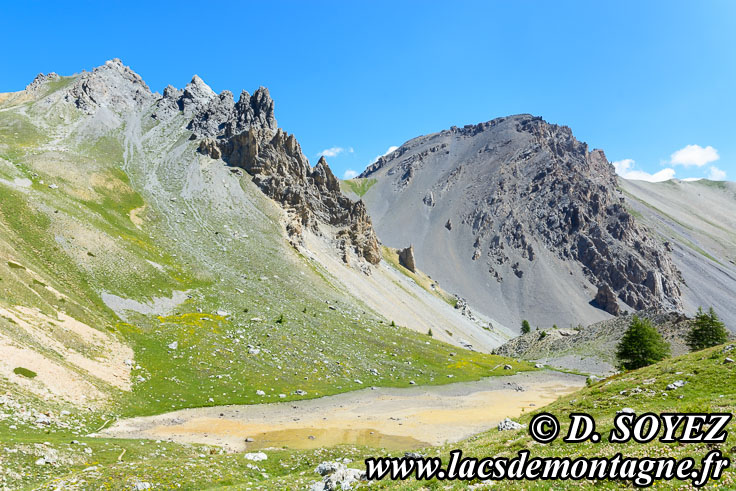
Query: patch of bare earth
[[69, 357]]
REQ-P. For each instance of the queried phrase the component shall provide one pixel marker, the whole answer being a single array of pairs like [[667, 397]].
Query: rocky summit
[[245, 135], [522, 219]]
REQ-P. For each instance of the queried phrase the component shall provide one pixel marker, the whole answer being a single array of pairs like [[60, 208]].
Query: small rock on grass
[[255, 456], [509, 425], [336, 476], [676, 384]]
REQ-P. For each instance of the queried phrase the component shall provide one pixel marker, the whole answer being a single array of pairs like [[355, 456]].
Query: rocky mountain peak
[[244, 134], [198, 86], [214, 115], [195, 96], [111, 86], [41, 80], [512, 192]]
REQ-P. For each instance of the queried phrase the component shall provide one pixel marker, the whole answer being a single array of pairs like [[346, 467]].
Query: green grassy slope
[[95, 216], [710, 387], [357, 186]]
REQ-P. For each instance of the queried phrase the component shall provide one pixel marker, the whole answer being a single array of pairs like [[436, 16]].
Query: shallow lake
[[391, 418]]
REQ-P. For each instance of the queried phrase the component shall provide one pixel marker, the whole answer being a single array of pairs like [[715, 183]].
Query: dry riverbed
[[394, 418]]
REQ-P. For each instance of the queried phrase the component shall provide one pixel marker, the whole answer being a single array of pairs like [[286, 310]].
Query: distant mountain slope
[[523, 220], [697, 221]]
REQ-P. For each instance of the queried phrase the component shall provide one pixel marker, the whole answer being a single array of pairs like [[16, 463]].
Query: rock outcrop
[[605, 299], [511, 193], [41, 80], [244, 134], [406, 258]]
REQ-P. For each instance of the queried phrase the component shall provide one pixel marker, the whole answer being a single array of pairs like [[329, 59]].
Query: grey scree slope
[[520, 218]]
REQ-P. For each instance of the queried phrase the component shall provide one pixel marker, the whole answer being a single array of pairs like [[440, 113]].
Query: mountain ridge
[[518, 187], [113, 220]]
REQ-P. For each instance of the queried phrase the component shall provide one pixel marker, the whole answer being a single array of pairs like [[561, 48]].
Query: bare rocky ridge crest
[[244, 134], [311, 195]]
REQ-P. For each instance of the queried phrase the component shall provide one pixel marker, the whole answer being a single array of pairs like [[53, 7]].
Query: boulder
[[336, 475], [676, 384], [509, 425], [605, 299], [406, 258]]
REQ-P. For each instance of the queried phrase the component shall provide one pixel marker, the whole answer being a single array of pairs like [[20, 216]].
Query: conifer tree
[[707, 331], [641, 345]]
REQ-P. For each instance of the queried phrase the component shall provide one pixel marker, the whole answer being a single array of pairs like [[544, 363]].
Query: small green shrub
[[525, 327], [24, 372]]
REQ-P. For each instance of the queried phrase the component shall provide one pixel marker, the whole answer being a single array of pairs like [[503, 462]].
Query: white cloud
[[390, 149], [692, 179], [625, 169], [622, 166], [694, 155], [349, 174], [331, 152], [716, 174], [335, 151]]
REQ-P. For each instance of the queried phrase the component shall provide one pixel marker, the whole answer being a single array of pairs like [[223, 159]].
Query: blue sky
[[652, 83]]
